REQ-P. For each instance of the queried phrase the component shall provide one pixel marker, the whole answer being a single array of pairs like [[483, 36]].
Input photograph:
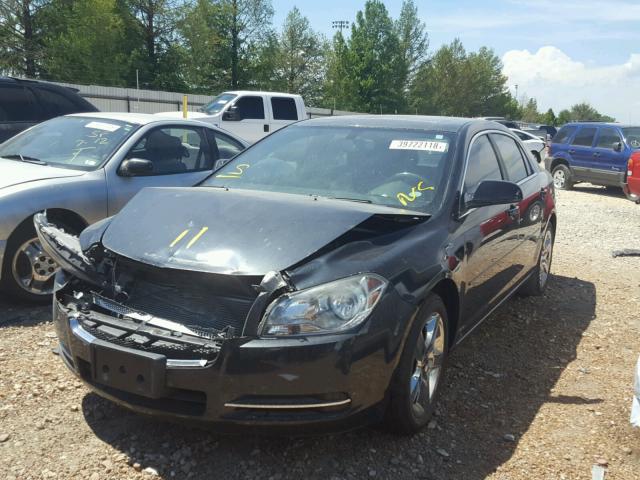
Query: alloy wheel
[[427, 363], [559, 178], [33, 269]]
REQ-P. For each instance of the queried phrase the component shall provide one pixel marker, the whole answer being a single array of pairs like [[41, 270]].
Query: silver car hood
[[15, 172]]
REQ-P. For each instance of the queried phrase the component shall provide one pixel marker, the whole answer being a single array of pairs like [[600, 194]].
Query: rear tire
[[416, 382], [562, 178], [537, 282]]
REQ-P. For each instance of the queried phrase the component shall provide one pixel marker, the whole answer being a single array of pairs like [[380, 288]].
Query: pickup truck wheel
[[415, 385], [28, 272], [536, 284], [562, 177]]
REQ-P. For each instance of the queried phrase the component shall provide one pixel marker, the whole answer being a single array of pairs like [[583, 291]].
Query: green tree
[[530, 111], [337, 84], [375, 68], [564, 117], [581, 112], [20, 36], [413, 38], [455, 83], [300, 65], [84, 43], [549, 118]]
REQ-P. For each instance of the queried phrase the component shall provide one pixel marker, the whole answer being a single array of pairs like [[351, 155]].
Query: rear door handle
[[266, 128], [572, 151], [596, 154]]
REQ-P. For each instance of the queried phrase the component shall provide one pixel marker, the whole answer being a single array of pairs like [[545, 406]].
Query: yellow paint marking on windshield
[[178, 238], [240, 168], [405, 198], [197, 237]]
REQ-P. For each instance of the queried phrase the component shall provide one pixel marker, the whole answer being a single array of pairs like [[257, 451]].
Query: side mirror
[[232, 115], [133, 167], [494, 192], [617, 146]]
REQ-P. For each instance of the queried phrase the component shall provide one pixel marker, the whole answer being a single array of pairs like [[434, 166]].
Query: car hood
[[13, 172], [237, 232]]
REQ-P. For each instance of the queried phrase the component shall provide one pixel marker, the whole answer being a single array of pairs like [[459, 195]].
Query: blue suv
[[591, 152]]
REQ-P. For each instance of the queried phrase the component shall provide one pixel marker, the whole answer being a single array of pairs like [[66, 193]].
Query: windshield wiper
[[25, 158], [359, 200]]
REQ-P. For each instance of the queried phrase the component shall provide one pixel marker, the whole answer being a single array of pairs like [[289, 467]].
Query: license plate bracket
[[140, 373]]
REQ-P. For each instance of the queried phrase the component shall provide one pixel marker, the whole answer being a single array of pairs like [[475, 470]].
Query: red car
[[632, 185]]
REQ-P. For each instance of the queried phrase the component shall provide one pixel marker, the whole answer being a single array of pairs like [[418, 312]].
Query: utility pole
[[518, 101]]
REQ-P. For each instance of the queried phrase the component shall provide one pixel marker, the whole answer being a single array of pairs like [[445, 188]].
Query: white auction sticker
[[427, 145], [109, 127]]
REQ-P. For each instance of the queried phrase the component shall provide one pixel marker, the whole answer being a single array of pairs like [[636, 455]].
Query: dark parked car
[[592, 152], [320, 278], [23, 103]]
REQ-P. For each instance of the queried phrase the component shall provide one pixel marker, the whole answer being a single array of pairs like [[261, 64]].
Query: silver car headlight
[[328, 308]]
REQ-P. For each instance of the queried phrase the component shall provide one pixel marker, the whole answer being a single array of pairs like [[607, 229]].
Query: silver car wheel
[[545, 258], [33, 270], [427, 362], [559, 178]]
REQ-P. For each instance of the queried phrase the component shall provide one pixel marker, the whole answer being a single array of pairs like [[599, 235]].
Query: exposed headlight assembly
[[328, 308], [65, 250]]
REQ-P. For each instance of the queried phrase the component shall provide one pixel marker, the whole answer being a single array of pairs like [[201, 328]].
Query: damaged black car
[[317, 281]]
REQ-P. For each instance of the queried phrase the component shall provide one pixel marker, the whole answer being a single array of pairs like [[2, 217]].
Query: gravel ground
[[541, 391]]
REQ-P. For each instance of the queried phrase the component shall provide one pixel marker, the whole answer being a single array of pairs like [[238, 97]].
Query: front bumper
[[329, 382]]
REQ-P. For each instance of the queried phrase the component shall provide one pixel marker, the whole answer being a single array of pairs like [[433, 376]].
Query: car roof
[[137, 118], [600, 124], [17, 81], [422, 122], [260, 92]]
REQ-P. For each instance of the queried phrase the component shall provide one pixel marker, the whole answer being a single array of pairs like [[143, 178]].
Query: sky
[[560, 52]]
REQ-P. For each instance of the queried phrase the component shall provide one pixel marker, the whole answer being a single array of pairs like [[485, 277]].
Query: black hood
[[238, 232]]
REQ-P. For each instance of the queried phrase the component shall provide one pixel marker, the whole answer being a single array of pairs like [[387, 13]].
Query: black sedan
[[319, 279]]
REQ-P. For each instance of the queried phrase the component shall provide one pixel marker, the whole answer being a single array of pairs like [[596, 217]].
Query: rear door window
[[584, 137], [17, 104], [512, 157], [564, 134], [284, 108], [607, 136], [55, 103]]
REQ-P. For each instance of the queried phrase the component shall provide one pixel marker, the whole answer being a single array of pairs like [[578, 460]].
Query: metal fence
[[115, 99]]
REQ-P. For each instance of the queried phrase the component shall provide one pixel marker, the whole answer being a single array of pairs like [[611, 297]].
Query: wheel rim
[[33, 270], [427, 363], [545, 258], [559, 178]]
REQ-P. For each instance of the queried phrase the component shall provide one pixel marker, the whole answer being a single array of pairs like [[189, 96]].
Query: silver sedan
[[85, 167]]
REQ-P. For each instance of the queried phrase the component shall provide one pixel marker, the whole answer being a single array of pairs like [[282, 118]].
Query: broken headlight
[[332, 307], [65, 249]]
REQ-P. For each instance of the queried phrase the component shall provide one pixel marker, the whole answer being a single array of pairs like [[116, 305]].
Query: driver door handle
[[514, 212]]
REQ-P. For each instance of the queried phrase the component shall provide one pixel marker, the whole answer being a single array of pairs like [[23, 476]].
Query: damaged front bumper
[[333, 382]]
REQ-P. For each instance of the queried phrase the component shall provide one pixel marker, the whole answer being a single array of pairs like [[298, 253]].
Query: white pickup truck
[[250, 115]]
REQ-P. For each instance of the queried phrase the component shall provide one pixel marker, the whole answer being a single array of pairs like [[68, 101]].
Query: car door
[[581, 152], [283, 112], [609, 164], [486, 232], [247, 118], [18, 110], [526, 226], [181, 157]]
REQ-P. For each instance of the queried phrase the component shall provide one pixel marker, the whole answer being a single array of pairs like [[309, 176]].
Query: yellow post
[[184, 106]]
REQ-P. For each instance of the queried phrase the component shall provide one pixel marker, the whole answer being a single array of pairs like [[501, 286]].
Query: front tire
[[416, 382], [27, 272], [562, 178]]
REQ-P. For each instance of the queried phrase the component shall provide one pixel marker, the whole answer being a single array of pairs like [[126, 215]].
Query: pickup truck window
[[284, 108], [250, 108], [218, 103]]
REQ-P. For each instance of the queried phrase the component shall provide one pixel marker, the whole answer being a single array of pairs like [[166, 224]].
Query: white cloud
[[557, 81]]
